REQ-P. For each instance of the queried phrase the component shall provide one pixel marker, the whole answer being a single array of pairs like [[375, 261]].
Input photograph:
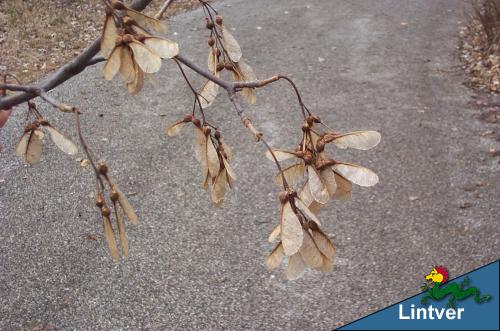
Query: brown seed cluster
[[224, 53], [213, 155], [110, 207], [321, 179], [30, 145], [130, 46]]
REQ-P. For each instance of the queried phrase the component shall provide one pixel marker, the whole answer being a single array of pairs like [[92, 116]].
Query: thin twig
[[159, 15], [258, 135], [197, 99]]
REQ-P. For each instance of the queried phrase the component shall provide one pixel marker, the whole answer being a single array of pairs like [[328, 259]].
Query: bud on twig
[[105, 211], [103, 169], [114, 195], [99, 200]]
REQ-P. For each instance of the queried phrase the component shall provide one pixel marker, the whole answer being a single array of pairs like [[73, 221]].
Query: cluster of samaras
[[212, 154], [301, 239], [30, 145], [128, 44], [224, 53]]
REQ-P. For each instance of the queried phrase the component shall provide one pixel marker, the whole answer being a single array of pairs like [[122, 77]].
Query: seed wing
[[247, 74], [275, 233], [62, 142], [200, 150], [22, 144], [230, 172], [328, 177], [219, 188], [291, 173], [281, 155], [136, 86], [307, 199], [212, 158], [291, 230], [146, 21], [109, 235], [310, 252], [208, 93], [230, 44], [35, 146], [363, 140], [296, 267], [226, 149], [273, 260], [112, 65], [164, 48], [357, 174], [148, 61], [305, 209], [121, 231], [324, 243], [175, 129], [125, 204], [318, 189], [108, 37], [127, 68], [212, 60], [344, 188]]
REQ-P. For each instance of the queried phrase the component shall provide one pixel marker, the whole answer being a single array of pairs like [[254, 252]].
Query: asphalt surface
[[385, 65]]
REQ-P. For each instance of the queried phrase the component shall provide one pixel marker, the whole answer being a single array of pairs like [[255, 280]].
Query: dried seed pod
[[229, 66], [196, 122], [218, 52], [117, 5], [211, 41], [140, 37], [30, 127], [218, 19], [307, 158], [114, 196], [118, 40], [283, 196], [312, 225], [103, 169], [320, 146], [128, 20], [188, 118], [220, 66], [128, 38], [207, 130], [105, 211], [217, 134], [210, 25], [99, 201]]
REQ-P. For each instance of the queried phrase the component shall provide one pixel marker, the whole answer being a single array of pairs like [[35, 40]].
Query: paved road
[[193, 267]]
